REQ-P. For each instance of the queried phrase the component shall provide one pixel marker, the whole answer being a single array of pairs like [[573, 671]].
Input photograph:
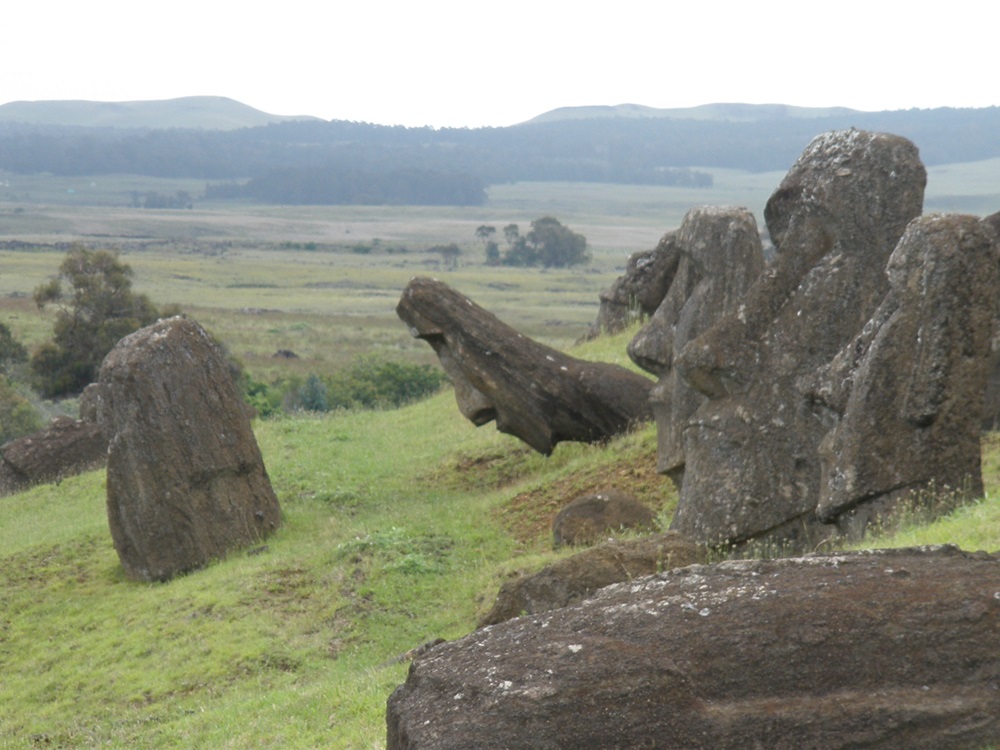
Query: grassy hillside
[[293, 644]]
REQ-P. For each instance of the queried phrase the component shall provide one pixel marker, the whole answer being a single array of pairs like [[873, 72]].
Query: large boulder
[[531, 391], [877, 649], [577, 577], [639, 291], [65, 447], [186, 482], [906, 395], [720, 256], [590, 518], [752, 467]]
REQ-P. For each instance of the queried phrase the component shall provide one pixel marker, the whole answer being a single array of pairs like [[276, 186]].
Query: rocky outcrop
[[991, 402], [590, 518], [64, 448], [906, 395], [575, 578], [752, 467], [639, 291], [720, 256], [876, 649], [531, 391], [186, 482]]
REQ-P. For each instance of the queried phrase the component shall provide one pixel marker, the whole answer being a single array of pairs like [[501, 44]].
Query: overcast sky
[[468, 63]]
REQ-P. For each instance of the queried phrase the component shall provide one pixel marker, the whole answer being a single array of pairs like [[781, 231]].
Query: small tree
[[449, 254], [96, 310], [312, 396], [511, 234], [12, 351], [557, 245], [17, 416], [492, 253], [485, 234]]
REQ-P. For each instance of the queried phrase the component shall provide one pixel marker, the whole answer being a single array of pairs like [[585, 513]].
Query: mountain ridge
[[728, 111], [187, 112], [224, 113]]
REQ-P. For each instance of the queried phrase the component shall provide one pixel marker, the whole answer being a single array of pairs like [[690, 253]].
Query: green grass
[[293, 647], [277, 649]]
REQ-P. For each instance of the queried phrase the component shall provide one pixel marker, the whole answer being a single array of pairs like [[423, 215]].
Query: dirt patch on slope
[[528, 515]]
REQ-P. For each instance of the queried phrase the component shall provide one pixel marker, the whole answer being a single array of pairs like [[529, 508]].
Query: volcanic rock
[[875, 649], [531, 391], [186, 482]]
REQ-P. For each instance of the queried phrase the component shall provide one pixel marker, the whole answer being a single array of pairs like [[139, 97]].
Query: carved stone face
[[474, 405]]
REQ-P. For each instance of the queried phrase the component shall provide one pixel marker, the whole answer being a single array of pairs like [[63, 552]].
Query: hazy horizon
[[445, 63]]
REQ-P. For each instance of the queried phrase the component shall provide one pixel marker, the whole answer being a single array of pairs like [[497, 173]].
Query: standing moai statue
[[186, 481]]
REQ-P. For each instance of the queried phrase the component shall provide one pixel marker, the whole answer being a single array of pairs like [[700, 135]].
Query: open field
[[323, 281]]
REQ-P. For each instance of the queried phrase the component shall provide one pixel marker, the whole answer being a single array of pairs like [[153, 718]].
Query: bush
[[312, 396], [17, 416], [96, 311], [370, 382], [12, 351]]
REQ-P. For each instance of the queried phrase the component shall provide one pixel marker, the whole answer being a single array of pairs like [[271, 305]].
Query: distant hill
[[194, 112], [309, 160], [721, 112]]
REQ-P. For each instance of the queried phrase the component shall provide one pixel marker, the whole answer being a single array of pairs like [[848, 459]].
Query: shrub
[[12, 351], [17, 416], [370, 382], [98, 310], [312, 395]]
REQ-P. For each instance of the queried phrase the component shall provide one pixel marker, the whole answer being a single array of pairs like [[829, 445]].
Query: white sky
[[468, 63]]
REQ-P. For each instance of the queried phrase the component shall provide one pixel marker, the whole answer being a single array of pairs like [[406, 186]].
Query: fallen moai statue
[[874, 649], [720, 256], [186, 482], [531, 391], [752, 467], [589, 519], [65, 447], [906, 395], [578, 576]]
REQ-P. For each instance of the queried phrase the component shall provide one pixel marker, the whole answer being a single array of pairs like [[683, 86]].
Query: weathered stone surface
[[590, 518], [991, 402], [532, 391], [906, 395], [186, 481], [640, 290], [64, 448], [89, 400], [573, 579], [751, 450], [720, 256], [884, 649]]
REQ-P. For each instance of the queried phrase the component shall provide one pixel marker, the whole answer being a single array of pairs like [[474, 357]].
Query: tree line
[[354, 162]]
